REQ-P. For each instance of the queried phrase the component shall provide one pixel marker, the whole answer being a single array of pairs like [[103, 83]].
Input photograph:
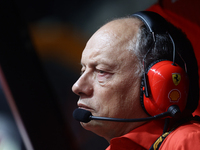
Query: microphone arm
[[86, 116], [165, 114]]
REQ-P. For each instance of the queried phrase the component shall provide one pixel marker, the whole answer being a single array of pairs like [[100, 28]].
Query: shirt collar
[[143, 136]]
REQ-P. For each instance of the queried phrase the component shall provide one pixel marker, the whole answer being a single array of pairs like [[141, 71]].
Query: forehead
[[103, 49], [111, 42]]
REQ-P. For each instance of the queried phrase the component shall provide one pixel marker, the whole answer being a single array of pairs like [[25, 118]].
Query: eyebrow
[[101, 61]]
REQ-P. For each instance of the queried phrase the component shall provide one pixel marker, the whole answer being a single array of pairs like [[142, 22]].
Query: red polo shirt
[[184, 137], [138, 139]]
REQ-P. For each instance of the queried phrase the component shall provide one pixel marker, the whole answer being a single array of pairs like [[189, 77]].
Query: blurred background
[[41, 46]]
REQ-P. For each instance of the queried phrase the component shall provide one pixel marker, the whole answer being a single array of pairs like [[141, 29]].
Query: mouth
[[82, 106]]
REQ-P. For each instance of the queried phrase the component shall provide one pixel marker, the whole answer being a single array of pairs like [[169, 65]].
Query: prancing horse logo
[[176, 77]]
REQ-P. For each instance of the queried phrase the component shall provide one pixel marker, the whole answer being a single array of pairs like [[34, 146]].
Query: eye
[[82, 71], [103, 76], [101, 72]]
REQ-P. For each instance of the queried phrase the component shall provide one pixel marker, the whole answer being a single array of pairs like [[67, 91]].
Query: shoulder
[[124, 143], [186, 136]]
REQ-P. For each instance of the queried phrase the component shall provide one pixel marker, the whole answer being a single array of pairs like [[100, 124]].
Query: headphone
[[164, 83]]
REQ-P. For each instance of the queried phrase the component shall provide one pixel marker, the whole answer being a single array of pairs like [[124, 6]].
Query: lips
[[83, 106]]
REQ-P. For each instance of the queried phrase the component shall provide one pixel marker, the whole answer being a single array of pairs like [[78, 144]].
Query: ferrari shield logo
[[176, 77]]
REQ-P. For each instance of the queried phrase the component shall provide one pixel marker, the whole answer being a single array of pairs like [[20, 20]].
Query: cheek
[[105, 100], [125, 99], [110, 101], [115, 98]]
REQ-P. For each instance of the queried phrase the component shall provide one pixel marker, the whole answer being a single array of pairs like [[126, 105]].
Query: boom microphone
[[85, 116], [82, 115]]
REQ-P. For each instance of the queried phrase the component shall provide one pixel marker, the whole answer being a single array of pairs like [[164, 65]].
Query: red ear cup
[[168, 85]]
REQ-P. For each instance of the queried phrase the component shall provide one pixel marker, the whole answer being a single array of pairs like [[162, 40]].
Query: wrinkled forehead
[[102, 39], [112, 41], [114, 34]]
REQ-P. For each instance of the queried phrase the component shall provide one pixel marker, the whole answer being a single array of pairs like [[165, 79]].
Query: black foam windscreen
[[82, 115]]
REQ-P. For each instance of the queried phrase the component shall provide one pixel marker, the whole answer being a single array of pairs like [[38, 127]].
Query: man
[[110, 84]]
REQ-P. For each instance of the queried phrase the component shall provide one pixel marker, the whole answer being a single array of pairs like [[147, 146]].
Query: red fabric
[[186, 19], [183, 138], [138, 139], [188, 9]]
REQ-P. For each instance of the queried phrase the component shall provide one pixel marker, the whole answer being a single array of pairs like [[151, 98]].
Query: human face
[[108, 86]]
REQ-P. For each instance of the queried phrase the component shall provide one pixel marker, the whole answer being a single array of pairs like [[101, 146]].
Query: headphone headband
[[154, 22]]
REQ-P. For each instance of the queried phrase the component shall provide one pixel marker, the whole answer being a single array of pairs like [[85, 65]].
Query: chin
[[97, 127], [93, 125]]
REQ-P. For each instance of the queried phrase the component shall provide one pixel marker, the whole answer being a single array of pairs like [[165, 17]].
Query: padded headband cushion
[[153, 21], [153, 63]]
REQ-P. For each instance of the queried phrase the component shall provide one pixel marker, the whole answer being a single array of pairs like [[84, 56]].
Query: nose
[[83, 86]]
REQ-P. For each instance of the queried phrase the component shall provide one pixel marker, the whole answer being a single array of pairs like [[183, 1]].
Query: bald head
[[119, 35], [120, 31]]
